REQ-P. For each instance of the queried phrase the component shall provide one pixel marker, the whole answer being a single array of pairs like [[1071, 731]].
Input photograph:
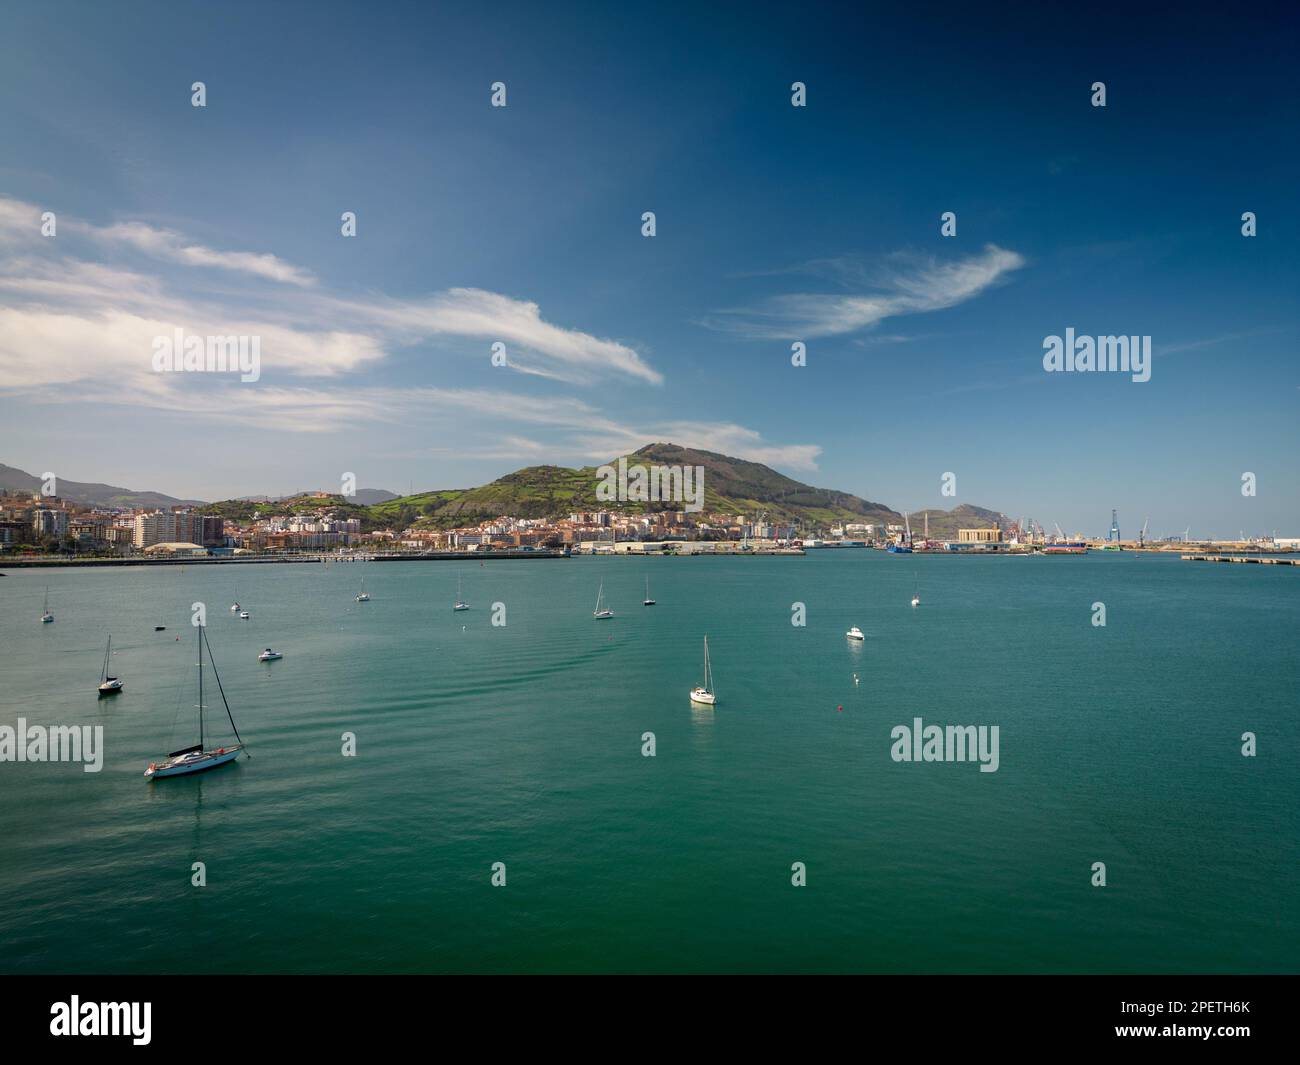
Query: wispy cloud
[[78, 329], [904, 286], [71, 318], [171, 246]]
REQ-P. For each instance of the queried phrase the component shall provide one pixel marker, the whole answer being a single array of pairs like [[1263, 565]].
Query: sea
[[523, 788]]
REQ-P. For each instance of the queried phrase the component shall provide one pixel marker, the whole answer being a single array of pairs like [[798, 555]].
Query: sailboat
[[198, 758], [46, 616], [916, 595], [108, 685], [704, 693], [460, 602], [601, 612], [363, 596], [648, 600]]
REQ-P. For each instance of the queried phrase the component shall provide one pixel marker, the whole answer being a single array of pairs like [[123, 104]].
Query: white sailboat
[[704, 693], [916, 595], [855, 633], [601, 612], [648, 600], [108, 685], [363, 596], [460, 601], [197, 758], [46, 616]]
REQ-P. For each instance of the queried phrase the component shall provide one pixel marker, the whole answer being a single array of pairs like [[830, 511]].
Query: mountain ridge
[[731, 486]]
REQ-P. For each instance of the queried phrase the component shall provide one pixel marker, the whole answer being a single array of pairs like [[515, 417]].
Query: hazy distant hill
[[89, 494], [364, 496], [945, 523]]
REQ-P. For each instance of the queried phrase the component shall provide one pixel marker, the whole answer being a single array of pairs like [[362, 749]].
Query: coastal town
[[36, 527]]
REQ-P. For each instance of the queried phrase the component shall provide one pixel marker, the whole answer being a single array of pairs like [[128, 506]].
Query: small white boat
[[199, 757], [460, 603], [269, 656], [244, 615], [234, 607], [108, 685], [46, 616], [704, 693], [363, 596], [648, 600], [916, 600], [601, 612], [855, 633]]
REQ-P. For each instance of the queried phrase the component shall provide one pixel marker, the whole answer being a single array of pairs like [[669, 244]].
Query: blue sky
[[774, 224]]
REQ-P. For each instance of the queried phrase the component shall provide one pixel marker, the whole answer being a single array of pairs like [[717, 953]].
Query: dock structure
[[1256, 560]]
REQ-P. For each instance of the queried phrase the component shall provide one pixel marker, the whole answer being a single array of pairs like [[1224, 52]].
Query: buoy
[[840, 709]]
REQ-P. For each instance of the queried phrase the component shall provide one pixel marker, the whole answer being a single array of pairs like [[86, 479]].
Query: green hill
[[732, 486]]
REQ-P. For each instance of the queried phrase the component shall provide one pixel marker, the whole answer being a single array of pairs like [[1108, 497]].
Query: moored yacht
[[704, 694], [855, 633], [602, 611], [46, 616], [197, 758], [269, 656], [108, 685]]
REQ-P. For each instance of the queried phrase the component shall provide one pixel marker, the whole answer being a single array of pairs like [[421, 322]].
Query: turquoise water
[[522, 744]]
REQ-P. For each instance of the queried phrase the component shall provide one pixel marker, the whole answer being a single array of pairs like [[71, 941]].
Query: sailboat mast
[[224, 701], [103, 673], [200, 628]]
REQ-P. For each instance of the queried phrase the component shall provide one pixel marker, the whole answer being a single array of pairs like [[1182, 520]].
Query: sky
[[774, 224]]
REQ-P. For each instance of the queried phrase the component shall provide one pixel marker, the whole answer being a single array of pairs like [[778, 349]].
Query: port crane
[[1142, 536]]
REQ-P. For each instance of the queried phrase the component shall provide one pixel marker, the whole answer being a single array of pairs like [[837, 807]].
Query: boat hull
[[109, 689], [703, 698], [208, 760]]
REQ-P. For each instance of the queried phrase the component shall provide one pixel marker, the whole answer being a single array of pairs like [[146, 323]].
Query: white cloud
[[908, 289], [71, 318], [166, 244]]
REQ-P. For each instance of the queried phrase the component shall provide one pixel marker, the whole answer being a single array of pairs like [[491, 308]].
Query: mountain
[[731, 486], [89, 494]]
